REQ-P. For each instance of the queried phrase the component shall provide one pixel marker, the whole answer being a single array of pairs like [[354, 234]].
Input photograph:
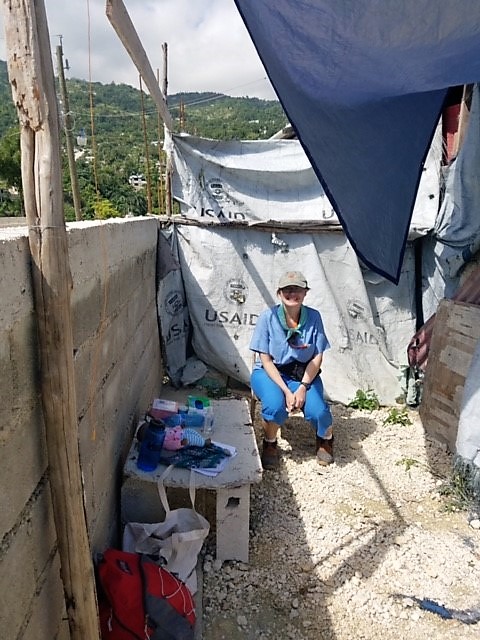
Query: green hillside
[[117, 109], [122, 131]]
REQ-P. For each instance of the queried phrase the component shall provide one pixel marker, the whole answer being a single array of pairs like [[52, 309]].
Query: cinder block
[[15, 284], [104, 530], [47, 622], [91, 429], [18, 365], [23, 463], [34, 538], [87, 308]]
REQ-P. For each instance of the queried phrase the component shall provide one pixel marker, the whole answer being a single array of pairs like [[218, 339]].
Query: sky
[[209, 48]]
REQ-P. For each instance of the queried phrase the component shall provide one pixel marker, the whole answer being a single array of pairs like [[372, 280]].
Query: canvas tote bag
[[174, 543]]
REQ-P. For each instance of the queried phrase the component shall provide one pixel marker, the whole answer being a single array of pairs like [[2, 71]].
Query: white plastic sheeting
[[270, 180], [231, 274], [230, 267], [172, 306], [468, 435]]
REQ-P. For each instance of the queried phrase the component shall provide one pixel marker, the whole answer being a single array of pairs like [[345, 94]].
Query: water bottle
[[208, 424], [151, 445], [193, 420]]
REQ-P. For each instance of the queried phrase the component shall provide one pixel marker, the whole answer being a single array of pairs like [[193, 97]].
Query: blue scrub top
[[270, 337]]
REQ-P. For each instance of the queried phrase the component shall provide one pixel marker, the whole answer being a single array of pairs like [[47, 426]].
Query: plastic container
[[194, 420], [200, 406], [198, 402], [184, 419], [208, 426], [151, 446], [176, 420], [162, 409]]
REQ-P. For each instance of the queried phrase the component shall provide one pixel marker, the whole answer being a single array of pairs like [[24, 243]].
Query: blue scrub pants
[[315, 409]]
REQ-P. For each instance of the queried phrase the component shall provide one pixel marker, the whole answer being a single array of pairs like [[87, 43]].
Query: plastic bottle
[[208, 424], [151, 446]]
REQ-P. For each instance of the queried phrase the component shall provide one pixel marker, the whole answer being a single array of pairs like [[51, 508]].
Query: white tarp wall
[[172, 307], [230, 262], [468, 436], [270, 180]]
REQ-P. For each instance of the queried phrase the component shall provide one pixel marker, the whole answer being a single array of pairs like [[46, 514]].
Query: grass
[[458, 492]]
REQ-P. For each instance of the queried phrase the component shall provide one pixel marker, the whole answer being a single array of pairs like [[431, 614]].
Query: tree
[[104, 209], [10, 166]]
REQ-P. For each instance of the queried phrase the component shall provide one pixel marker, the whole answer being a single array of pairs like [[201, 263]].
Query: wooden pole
[[32, 81], [68, 136], [121, 22], [147, 153], [160, 198], [168, 163]]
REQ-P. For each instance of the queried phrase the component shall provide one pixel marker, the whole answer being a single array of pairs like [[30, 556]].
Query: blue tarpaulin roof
[[363, 83]]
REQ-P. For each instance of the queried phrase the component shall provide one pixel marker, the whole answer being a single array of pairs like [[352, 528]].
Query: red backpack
[[139, 600]]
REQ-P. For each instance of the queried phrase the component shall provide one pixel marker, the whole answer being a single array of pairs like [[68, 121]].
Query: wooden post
[[147, 153], [168, 163], [160, 198], [32, 81], [120, 21], [68, 135]]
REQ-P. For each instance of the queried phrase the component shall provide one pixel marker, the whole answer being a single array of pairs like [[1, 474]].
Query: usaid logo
[[356, 308], [236, 291], [174, 303]]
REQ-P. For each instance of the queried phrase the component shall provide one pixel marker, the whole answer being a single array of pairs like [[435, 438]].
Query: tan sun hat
[[293, 279]]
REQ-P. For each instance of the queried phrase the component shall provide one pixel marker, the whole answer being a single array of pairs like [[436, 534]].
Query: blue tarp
[[363, 83]]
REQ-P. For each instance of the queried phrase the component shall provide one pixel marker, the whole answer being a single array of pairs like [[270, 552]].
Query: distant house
[[137, 180]]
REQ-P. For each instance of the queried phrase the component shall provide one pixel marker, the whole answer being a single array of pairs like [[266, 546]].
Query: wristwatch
[[307, 385]]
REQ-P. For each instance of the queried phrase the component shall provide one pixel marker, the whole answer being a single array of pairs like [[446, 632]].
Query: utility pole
[[68, 135], [183, 118], [168, 167]]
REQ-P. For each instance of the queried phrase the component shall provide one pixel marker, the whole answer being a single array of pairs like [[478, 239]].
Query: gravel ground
[[340, 552]]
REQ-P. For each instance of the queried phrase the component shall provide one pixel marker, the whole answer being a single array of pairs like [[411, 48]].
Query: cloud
[[209, 48]]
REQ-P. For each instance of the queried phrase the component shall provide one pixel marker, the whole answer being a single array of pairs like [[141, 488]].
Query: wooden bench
[[233, 426]]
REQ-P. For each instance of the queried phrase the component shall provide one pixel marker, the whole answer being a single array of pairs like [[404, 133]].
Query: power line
[[217, 96]]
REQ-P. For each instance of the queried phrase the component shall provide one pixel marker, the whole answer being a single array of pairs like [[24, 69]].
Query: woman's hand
[[300, 396], [290, 400]]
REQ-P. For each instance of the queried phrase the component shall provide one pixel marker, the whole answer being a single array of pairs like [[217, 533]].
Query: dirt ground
[[350, 551]]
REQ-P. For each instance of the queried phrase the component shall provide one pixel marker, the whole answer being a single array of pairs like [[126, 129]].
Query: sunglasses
[[290, 290]]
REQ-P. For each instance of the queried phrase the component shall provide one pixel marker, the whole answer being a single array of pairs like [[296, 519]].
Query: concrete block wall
[[118, 371]]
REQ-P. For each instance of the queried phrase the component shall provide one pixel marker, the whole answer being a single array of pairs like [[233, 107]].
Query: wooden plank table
[[233, 426]]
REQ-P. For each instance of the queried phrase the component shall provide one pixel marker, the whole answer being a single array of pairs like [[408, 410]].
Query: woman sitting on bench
[[290, 341]]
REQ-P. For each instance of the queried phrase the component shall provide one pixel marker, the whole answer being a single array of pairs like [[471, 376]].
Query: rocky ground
[[342, 552]]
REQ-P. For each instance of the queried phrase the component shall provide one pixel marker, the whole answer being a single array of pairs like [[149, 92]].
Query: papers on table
[[214, 471]]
